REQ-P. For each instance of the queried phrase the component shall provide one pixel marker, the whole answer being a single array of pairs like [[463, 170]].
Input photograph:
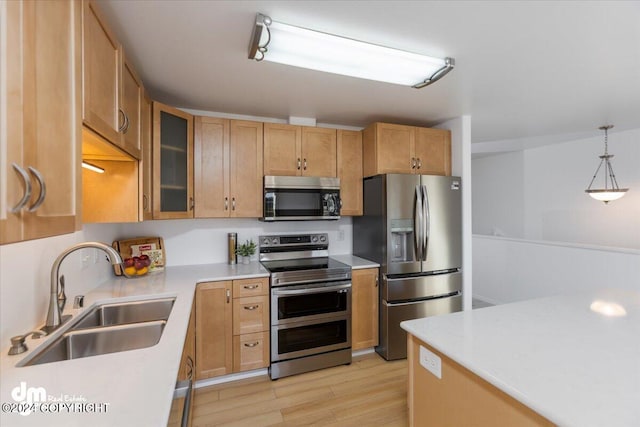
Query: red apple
[[128, 262], [139, 264], [145, 259]]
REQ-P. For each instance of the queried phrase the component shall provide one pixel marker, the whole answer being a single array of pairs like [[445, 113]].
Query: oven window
[[308, 305], [298, 203], [312, 336]]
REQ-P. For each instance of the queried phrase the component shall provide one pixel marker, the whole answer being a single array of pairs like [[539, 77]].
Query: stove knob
[[323, 239], [274, 241], [265, 241], [314, 239]]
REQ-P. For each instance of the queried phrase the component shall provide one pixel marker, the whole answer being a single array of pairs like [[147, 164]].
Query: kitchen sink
[[125, 313], [108, 328]]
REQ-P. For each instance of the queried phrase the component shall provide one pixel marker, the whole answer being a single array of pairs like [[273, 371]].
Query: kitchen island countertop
[[571, 364], [118, 389]]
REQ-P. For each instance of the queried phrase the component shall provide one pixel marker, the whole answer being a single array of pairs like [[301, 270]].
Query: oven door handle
[[306, 291]]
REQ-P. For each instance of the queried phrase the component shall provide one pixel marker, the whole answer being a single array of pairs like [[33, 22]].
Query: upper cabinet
[[112, 92], [349, 165], [145, 179], [172, 163], [299, 150], [39, 110], [227, 168], [390, 148]]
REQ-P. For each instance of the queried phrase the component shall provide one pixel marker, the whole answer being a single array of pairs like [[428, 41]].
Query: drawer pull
[[251, 307], [251, 286], [251, 344]]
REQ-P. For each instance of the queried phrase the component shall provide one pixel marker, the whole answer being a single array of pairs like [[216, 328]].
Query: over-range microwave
[[300, 198]]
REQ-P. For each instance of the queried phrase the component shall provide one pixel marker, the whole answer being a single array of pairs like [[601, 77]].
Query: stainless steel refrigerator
[[412, 226]]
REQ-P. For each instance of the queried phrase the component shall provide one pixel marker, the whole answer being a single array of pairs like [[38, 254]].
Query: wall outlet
[[431, 362], [85, 257]]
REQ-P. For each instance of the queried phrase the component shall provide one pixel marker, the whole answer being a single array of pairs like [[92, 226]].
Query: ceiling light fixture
[[611, 190], [92, 167], [286, 44]]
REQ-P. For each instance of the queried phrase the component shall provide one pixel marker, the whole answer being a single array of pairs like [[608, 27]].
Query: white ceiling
[[523, 69]]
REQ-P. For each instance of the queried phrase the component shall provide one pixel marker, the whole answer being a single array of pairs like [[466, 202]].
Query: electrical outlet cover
[[431, 362]]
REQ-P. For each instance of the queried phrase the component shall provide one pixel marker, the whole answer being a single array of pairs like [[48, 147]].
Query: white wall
[[538, 194], [558, 239], [507, 270]]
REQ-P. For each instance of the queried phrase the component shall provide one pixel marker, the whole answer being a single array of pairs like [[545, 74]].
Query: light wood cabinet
[[189, 349], [145, 179], [40, 108], [349, 168], [299, 150], [391, 148], [172, 163], [250, 324], [227, 168], [459, 397], [214, 329], [112, 91], [364, 319]]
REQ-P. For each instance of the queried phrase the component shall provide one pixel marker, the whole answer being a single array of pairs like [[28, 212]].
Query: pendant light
[[611, 190]]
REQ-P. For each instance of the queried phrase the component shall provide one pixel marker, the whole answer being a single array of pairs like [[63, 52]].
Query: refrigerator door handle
[[417, 224], [426, 223]]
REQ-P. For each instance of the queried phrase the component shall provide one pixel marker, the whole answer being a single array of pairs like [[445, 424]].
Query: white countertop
[[136, 385], [355, 262], [570, 364]]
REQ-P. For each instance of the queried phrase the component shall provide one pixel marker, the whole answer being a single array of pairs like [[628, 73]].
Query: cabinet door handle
[[145, 202], [228, 296], [419, 163], [124, 120], [43, 189], [251, 307], [298, 163], [413, 163], [192, 203], [189, 367], [377, 281], [251, 286], [27, 189], [233, 203], [305, 164], [251, 344], [126, 123], [226, 203]]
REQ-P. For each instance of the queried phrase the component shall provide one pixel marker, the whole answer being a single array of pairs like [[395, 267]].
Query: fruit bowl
[[136, 266]]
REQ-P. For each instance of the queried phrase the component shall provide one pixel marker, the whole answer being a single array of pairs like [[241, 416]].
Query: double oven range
[[310, 304]]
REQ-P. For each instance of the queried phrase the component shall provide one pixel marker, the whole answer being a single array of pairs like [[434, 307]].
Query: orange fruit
[[130, 271], [142, 271]]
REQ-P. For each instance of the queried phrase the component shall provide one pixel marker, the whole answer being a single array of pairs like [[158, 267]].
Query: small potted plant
[[245, 251]]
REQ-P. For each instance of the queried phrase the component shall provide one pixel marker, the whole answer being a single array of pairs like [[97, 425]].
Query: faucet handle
[[17, 343]]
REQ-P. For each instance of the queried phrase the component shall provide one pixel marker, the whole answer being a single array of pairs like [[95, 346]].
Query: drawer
[[250, 314], [250, 287], [250, 351]]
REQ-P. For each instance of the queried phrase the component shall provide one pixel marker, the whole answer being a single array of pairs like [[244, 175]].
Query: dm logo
[[28, 395]]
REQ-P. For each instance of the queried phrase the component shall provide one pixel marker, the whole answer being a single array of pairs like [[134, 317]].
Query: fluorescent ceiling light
[[92, 167], [286, 44]]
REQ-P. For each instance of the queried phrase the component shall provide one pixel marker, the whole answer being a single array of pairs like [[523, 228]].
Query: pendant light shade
[[611, 191]]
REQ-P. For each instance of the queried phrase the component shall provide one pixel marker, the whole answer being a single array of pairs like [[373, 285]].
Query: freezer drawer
[[393, 339], [420, 287]]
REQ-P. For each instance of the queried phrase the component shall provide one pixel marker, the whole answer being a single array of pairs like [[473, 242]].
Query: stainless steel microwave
[[299, 198]]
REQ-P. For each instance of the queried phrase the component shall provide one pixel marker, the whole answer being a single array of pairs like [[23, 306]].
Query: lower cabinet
[[364, 308], [186, 372], [232, 326]]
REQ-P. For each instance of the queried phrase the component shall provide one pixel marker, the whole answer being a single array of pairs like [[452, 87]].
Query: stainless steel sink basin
[[125, 313], [108, 328], [104, 340]]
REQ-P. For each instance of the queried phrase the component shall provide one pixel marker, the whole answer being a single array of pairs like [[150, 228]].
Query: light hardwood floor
[[369, 392]]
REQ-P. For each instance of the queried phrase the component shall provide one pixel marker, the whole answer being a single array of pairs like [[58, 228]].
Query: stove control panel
[[294, 241]]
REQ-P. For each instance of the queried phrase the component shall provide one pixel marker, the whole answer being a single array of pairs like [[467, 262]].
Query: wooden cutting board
[[134, 247]]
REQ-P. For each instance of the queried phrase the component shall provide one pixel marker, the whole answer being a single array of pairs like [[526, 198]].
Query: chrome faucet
[[54, 312]]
